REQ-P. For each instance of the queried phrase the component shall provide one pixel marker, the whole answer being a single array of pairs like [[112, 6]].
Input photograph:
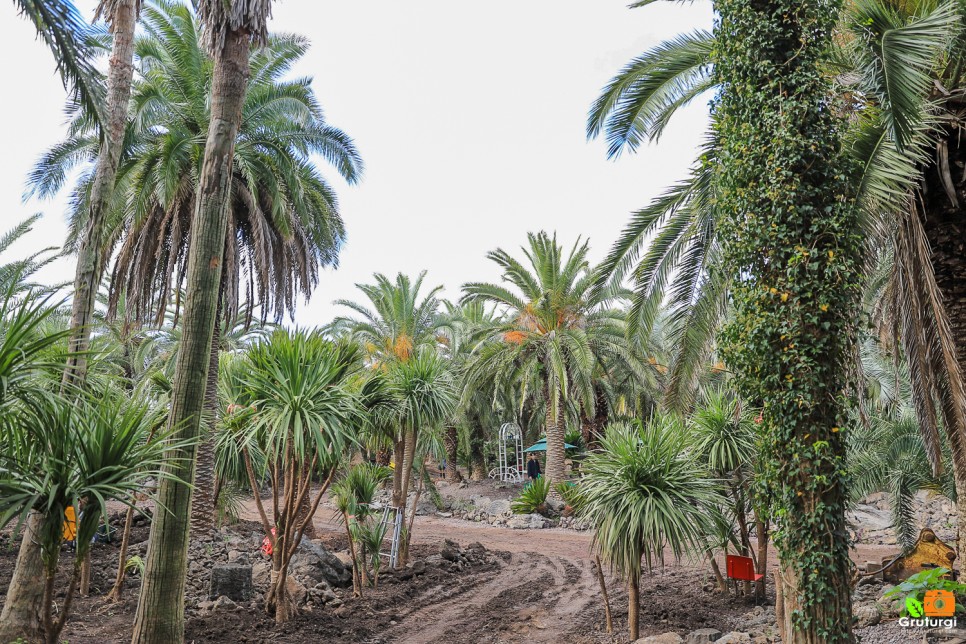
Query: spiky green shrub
[[370, 534], [533, 498], [646, 493], [353, 496]]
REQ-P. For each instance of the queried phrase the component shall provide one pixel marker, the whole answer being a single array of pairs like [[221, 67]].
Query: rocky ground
[[479, 574], [871, 520], [489, 502]]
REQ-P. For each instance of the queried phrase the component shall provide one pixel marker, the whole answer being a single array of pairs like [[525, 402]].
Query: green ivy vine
[[790, 237]]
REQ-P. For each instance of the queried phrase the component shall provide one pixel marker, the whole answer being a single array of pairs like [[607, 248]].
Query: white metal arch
[[510, 447]]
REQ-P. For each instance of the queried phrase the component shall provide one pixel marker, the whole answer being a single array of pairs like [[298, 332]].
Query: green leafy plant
[[353, 496], [56, 455], [134, 564], [229, 504], [917, 585], [307, 414], [645, 493], [371, 534], [567, 491], [533, 497]]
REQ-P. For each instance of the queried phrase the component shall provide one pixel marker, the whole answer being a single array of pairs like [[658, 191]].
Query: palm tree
[[898, 71], [555, 333], [400, 325], [426, 398], [463, 326], [230, 29], [121, 16], [644, 492], [63, 30], [639, 102], [284, 224], [397, 321]]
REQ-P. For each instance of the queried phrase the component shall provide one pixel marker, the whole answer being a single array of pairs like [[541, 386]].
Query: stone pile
[[871, 520], [229, 570]]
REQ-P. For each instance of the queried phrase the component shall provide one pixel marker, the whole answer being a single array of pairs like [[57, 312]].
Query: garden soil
[[532, 585]]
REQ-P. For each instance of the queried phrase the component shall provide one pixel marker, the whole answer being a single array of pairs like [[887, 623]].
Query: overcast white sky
[[470, 118]]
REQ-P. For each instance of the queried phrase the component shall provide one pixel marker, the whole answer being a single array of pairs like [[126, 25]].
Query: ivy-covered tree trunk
[[160, 613], [792, 249]]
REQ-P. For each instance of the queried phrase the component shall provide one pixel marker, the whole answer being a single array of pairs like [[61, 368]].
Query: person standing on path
[[533, 468]]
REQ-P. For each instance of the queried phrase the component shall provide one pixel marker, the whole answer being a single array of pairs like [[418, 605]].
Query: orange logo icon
[[939, 603]]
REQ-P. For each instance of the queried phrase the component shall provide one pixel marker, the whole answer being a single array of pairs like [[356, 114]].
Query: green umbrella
[[541, 446]]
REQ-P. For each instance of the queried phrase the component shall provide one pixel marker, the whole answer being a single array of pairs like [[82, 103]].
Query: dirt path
[[544, 590]]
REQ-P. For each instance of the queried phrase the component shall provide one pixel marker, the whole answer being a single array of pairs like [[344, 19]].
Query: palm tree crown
[[284, 221], [398, 320]]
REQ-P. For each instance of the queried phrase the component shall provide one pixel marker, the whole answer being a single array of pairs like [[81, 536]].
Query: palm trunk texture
[[160, 613], [21, 617], [944, 225], [556, 467], [87, 275], [452, 469], [203, 503]]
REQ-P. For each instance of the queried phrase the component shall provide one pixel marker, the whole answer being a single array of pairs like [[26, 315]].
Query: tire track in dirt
[[455, 619], [533, 597]]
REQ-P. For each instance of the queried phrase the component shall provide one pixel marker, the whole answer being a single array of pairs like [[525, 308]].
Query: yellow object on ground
[[70, 524]]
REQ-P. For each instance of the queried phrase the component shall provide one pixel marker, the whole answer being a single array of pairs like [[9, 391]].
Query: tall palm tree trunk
[[203, 503], [451, 440], [633, 606], [477, 456], [556, 468], [21, 609], [407, 467], [160, 613], [21, 616], [122, 20]]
